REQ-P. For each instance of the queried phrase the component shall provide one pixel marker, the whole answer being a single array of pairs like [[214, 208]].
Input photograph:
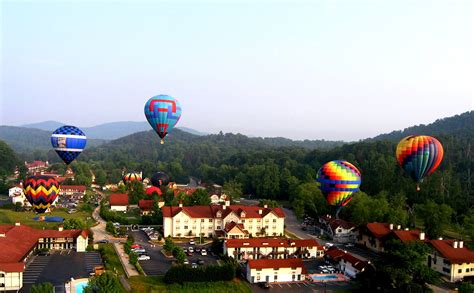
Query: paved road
[[304, 287], [99, 230]]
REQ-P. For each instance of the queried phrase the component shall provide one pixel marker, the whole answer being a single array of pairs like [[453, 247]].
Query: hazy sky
[[317, 69]]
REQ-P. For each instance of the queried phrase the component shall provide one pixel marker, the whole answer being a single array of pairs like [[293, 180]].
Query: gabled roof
[[378, 230], [210, 211], [277, 263], [336, 223], [272, 242], [338, 254], [12, 267], [80, 188], [119, 199], [454, 255], [146, 204], [407, 235]]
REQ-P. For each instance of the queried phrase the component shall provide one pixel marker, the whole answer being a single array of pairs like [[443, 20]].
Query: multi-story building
[[257, 248], [17, 195], [18, 242], [275, 270], [72, 189], [36, 166], [451, 259], [181, 221], [374, 235]]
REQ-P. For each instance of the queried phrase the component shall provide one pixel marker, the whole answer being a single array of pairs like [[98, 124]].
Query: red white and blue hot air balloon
[[162, 112]]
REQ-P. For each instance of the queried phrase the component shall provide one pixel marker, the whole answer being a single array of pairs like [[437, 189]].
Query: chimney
[[180, 204], [455, 244], [399, 227], [422, 235], [406, 229], [60, 228], [391, 226], [461, 244], [224, 206], [265, 206], [259, 211], [440, 238], [227, 201], [17, 224], [3, 235]]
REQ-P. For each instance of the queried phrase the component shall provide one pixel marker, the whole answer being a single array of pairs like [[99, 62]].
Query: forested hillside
[[8, 159]]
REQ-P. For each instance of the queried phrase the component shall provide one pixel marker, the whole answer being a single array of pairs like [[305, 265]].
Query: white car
[[138, 250], [186, 262], [349, 245], [191, 242], [203, 252], [143, 257], [190, 249]]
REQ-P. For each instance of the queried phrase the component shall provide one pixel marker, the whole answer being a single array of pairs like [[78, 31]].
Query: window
[[250, 227], [276, 269], [446, 262], [274, 220], [210, 227], [243, 221], [218, 227], [446, 270], [194, 227], [467, 270], [275, 277], [258, 221], [2, 275], [459, 271], [178, 220], [178, 227], [266, 221], [274, 227], [202, 220], [258, 227], [258, 277], [210, 220], [259, 270], [185, 227]]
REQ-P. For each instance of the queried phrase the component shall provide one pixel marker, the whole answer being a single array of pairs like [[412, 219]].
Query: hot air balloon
[[41, 191], [162, 112], [338, 181], [132, 176], [68, 141], [419, 156], [158, 179]]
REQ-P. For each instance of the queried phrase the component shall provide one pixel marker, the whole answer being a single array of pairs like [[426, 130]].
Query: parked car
[[203, 252], [349, 245], [116, 224], [191, 242], [329, 245], [191, 249], [143, 257], [264, 285], [304, 228], [135, 246], [200, 261], [139, 250], [189, 253], [198, 249], [194, 265], [103, 241], [186, 262], [43, 252]]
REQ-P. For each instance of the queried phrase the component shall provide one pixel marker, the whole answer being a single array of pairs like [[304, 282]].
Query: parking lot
[[304, 287], [158, 264], [59, 267]]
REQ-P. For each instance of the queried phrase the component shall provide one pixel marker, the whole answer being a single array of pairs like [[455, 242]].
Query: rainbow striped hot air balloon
[[338, 181], [41, 191], [419, 156], [162, 112]]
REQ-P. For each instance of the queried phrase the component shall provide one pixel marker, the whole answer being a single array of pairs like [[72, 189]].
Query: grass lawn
[[111, 259], [8, 216], [156, 284]]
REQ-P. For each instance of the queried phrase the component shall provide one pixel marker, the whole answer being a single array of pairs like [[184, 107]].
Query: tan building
[[374, 235], [18, 242], [451, 259], [181, 221], [257, 248], [275, 270]]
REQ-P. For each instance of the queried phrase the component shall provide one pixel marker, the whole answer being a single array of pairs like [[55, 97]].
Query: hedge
[[211, 273]]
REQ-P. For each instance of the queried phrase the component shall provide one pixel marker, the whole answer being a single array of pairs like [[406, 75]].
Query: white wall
[[118, 208], [12, 281]]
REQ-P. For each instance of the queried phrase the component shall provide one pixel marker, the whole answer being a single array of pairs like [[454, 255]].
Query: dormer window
[[219, 214], [242, 214]]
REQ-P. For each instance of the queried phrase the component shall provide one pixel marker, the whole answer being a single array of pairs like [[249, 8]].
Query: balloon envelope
[[159, 178], [41, 191], [162, 112], [419, 155], [338, 181], [68, 141], [132, 176]]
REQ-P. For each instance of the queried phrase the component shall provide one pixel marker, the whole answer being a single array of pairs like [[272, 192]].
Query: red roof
[[20, 240], [119, 199], [211, 211], [378, 230], [146, 204], [336, 223], [79, 188], [12, 267], [271, 242], [454, 255], [406, 236], [277, 263], [36, 164], [232, 225], [150, 190], [337, 254]]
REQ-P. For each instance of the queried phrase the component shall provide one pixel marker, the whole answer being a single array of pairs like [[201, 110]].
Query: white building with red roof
[[339, 230], [36, 166], [275, 270], [257, 248], [18, 242], [118, 202], [190, 221], [347, 263], [72, 189], [452, 259], [17, 195]]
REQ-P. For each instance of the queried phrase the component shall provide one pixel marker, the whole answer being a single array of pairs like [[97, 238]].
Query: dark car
[[104, 241], [197, 249], [264, 285], [200, 261], [304, 228], [189, 253]]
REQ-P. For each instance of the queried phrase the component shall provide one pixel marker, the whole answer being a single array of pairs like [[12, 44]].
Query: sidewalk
[[129, 269]]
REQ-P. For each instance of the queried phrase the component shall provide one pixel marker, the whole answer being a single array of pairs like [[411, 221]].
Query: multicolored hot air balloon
[[338, 181], [159, 178], [419, 156], [162, 112], [132, 176], [68, 141], [41, 191]]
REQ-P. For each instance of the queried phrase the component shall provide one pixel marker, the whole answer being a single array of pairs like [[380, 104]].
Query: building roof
[[378, 230], [80, 188], [146, 204], [232, 225], [150, 190], [336, 223], [454, 255], [17, 241], [338, 254], [407, 235], [119, 199], [36, 164], [211, 211], [13, 267], [272, 242], [277, 263]]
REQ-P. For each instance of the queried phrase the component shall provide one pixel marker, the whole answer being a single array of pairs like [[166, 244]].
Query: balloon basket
[[162, 142]]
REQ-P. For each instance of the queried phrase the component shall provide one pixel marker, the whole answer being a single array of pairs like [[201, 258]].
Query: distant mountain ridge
[[450, 125]]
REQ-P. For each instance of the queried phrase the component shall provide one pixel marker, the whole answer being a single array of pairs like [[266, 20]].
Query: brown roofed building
[[190, 221], [118, 202], [452, 259], [276, 270]]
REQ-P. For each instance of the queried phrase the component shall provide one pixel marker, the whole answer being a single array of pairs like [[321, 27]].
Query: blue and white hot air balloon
[[68, 141]]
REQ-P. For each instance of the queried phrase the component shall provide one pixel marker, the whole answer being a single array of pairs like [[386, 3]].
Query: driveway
[[304, 287], [158, 264]]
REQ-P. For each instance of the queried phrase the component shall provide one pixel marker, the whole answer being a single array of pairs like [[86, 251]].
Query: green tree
[[309, 200], [199, 197], [74, 223], [106, 282], [100, 177], [270, 203], [169, 244], [180, 256], [435, 217], [109, 227], [233, 189], [42, 288]]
